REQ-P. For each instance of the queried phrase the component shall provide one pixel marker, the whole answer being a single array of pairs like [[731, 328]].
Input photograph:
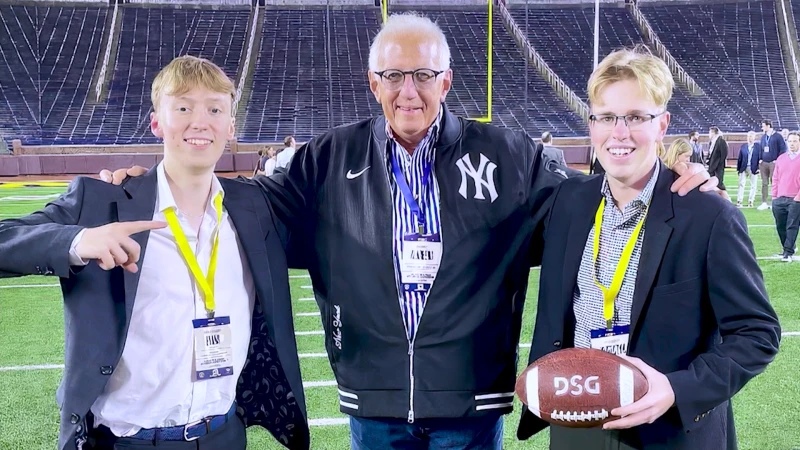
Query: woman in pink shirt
[[786, 195]]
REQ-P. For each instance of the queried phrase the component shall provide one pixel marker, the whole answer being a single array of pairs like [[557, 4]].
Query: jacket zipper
[[411, 379]]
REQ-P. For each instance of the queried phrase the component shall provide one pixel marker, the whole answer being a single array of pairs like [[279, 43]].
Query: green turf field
[[31, 327]]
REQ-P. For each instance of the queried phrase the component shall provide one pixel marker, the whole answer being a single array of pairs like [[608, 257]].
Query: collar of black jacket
[[451, 128]]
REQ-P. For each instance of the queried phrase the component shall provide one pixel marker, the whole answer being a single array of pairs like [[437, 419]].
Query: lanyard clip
[[610, 324], [420, 228]]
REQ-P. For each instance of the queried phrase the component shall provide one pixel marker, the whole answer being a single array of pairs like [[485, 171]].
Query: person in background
[[554, 153], [266, 162], [680, 151], [697, 150], [717, 155], [747, 167], [786, 196], [285, 155], [773, 145]]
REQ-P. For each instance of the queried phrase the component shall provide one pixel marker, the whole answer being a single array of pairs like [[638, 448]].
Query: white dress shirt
[[153, 385], [285, 157]]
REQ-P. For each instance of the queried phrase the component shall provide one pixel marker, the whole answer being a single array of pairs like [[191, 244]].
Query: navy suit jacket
[[98, 303], [777, 147], [741, 164], [700, 312]]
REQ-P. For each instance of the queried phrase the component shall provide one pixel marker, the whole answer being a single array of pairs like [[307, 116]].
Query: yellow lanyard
[[610, 294], [206, 283]]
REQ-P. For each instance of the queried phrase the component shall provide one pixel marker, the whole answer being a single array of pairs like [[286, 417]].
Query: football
[[578, 387]]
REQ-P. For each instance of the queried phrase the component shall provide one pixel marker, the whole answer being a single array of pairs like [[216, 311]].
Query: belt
[[188, 432]]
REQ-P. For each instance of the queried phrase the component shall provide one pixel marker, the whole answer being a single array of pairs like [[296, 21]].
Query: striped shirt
[[587, 300], [403, 220]]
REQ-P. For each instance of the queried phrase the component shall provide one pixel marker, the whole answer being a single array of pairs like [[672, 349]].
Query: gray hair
[[410, 23]]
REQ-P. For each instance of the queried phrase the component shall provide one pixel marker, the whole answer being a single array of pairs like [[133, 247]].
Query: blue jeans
[[469, 433]]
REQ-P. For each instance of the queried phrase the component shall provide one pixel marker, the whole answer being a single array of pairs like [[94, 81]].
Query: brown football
[[578, 387]]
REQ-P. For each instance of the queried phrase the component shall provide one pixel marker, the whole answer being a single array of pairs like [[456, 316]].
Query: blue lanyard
[[406, 191]]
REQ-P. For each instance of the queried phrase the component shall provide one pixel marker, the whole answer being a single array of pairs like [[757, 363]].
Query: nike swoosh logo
[[353, 176]]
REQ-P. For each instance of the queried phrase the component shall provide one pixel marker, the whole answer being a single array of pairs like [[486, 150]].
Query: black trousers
[[787, 221], [231, 436]]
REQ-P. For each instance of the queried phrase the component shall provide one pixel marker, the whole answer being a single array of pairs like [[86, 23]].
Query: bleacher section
[[69, 56], [49, 56], [290, 80], [723, 47], [467, 33], [297, 96], [150, 38]]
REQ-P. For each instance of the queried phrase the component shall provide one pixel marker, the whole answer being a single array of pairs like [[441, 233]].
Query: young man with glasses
[[670, 283]]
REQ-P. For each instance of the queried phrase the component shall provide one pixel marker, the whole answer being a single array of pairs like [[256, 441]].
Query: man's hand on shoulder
[[694, 175], [119, 175], [111, 244]]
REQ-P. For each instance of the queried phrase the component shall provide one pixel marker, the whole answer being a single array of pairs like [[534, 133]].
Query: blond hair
[[185, 73], [637, 64], [680, 146]]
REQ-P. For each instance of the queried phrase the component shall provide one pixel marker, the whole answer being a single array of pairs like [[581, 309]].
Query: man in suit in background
[[747, 167], [697, 150], [773, 145], [553, 153], [177, 333], [689, 309], [717, 155]]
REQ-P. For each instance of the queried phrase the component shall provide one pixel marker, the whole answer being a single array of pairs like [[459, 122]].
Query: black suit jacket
[[717, 157], [98, 303], [700, 310]]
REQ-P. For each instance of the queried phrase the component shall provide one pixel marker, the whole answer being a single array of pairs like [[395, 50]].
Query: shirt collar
[[165, 199], [641, 200], [792, 156], [430, 138]]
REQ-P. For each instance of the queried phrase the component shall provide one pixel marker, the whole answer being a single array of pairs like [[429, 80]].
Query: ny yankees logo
[[483, 177]]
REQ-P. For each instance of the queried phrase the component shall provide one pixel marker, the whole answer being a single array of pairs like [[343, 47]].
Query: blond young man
[[171, 342], [689, 309]]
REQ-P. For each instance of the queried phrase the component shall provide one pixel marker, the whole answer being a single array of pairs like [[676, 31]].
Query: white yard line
[[305, 287], [301, 355], [29, 286], [310, 333], [299, 276], [311, 299], [37, 367], [310, 384], [328, 422], [311, 314]]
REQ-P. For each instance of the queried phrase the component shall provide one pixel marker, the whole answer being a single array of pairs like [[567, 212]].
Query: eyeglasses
[[424, 79], [632, 121]]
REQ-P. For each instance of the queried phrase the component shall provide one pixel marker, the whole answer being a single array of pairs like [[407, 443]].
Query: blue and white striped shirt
[[404, 223]]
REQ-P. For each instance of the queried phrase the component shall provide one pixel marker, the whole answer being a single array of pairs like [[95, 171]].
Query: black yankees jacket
[[336, 199]]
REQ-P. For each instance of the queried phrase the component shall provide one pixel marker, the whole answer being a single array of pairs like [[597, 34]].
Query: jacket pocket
[[679, 287]]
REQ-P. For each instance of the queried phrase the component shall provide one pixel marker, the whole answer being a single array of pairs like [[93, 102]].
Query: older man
[[747, 167], [418, 229]]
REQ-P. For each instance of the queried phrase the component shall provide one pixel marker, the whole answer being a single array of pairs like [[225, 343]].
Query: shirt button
[[106, 370], [74, 419], [557, 344]]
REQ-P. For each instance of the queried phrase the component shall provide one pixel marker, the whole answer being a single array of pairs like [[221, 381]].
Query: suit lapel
[[580, 224], [656, 237], [242, 212], [140, 205]]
